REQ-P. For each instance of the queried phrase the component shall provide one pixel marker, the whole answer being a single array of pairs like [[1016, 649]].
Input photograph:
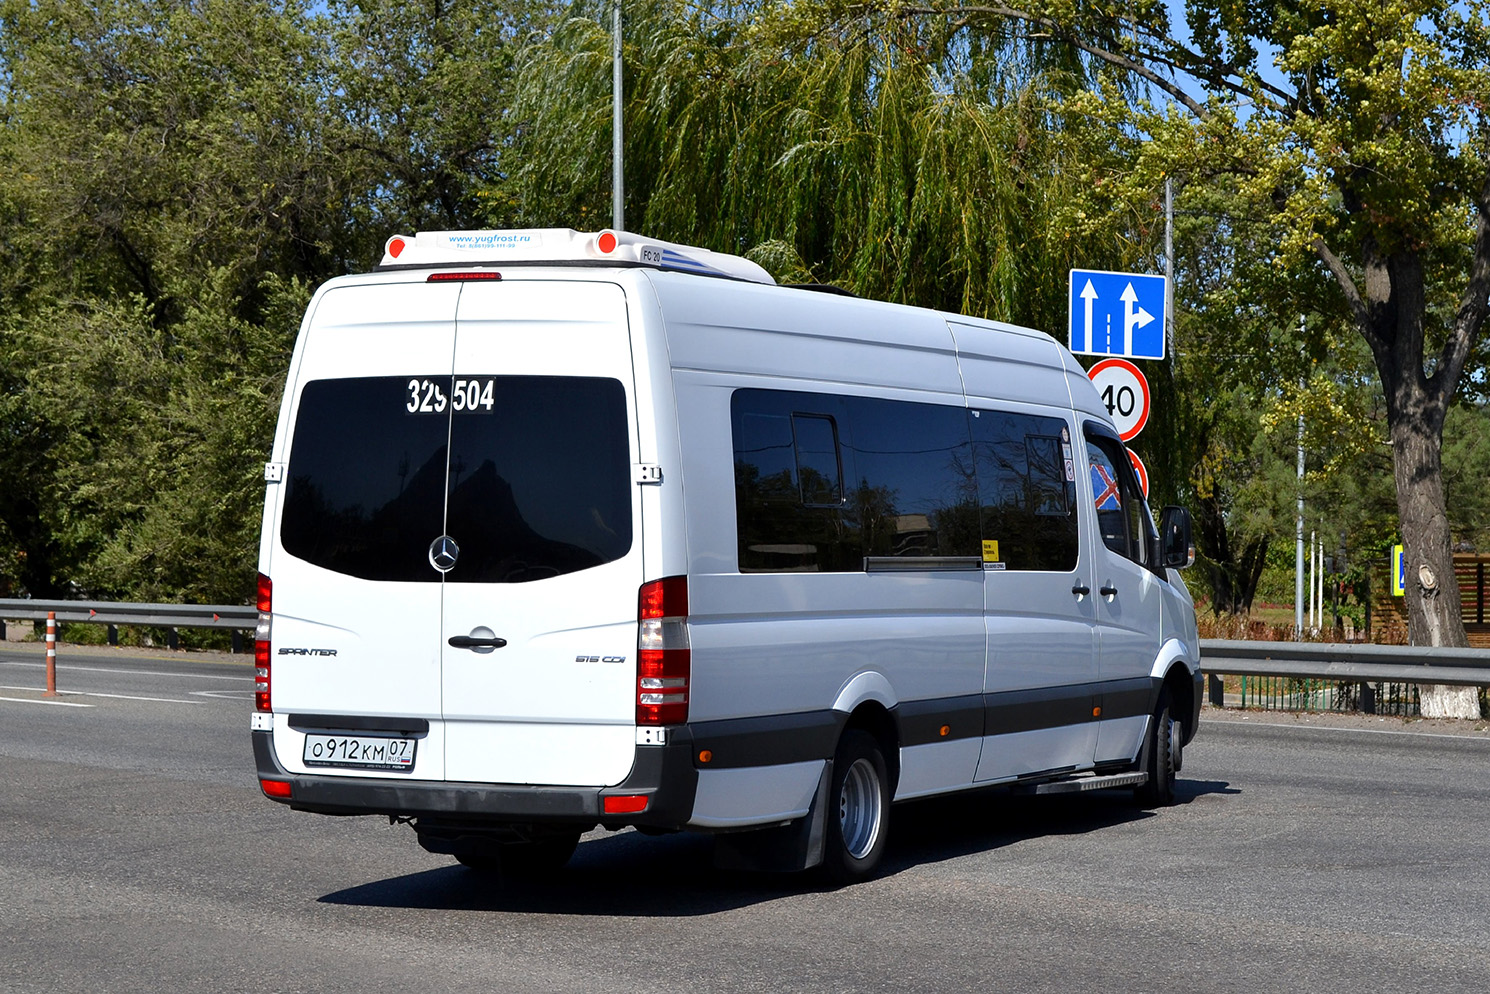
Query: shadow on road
[[632, 875]]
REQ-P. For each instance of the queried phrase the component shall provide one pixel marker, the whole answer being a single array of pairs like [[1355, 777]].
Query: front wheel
[[1161, 753], [858, 817]]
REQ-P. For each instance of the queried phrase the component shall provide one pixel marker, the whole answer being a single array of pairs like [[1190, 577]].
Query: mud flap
[[797, 845]]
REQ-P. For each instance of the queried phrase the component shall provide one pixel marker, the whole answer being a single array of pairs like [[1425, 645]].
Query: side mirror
[[1176, 545]]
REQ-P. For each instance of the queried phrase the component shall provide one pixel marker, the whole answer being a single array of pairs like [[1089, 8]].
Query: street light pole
[[618, 192], [1298, 525]]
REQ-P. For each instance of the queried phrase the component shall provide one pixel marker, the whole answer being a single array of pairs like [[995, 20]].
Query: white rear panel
[[499, 416]]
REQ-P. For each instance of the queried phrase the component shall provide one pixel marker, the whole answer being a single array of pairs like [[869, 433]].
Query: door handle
[[470, 642], [1081, 589], [1109, 591]]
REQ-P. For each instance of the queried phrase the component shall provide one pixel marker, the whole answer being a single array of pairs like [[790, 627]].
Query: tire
[[858, 814], [1161, 752]]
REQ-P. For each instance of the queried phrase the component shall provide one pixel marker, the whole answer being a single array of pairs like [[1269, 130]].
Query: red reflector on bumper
[[621, 804], [275, 788]]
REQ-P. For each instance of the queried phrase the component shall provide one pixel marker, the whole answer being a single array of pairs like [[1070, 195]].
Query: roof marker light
[[395, 246], [606, 242]]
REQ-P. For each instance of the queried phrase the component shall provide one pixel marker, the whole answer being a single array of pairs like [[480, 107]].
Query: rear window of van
[[530, 475]]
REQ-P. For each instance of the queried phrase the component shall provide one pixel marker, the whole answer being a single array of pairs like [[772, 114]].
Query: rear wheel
[[1161, 751], [859, 809]]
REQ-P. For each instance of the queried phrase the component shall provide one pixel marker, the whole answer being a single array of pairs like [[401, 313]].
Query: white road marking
[[98, 669], [59, 704], [123, 697]]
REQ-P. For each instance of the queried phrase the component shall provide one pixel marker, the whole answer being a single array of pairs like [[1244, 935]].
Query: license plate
[[362, 752]]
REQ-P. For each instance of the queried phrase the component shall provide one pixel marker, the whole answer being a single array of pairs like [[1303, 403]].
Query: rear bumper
[[665, 774]]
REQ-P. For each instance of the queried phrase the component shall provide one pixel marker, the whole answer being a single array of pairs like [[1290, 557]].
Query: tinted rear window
[[536, 469]]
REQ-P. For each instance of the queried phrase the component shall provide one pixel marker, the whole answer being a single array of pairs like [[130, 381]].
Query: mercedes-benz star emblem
[[443, 552]]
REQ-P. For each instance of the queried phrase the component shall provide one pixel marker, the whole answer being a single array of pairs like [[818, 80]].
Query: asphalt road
[[138, 855]]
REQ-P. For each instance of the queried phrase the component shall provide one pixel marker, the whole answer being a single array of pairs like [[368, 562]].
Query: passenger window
[[1122, 513], [822, 482], [1026, 480], [913, 491], [788, 466]]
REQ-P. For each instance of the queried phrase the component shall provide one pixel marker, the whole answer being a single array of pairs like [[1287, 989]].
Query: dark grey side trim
[[813, 735], [1128, 698], [358, 723], [1032, 710], [921, 721], [768, 741]]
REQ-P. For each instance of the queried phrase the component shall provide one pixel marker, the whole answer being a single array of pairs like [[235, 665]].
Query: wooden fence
[[1389, 614]]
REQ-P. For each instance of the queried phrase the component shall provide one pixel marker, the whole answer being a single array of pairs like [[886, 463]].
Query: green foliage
[[898, 160], [176, 176]]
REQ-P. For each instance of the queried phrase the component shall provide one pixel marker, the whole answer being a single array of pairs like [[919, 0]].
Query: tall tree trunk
[[1416, 406], [1432, 590]]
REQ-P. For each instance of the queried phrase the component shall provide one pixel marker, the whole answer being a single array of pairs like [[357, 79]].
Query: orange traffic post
[[51, 654]]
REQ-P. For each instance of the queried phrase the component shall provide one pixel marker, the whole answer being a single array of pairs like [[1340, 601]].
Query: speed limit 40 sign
[[1125, 393]]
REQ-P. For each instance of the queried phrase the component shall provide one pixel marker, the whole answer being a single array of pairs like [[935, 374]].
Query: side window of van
[[1122, 513], [824, 481], [913, 491], [789, 472], [1026, 491]]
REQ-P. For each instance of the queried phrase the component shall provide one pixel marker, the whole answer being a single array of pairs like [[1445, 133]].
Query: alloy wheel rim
[[859, 805]]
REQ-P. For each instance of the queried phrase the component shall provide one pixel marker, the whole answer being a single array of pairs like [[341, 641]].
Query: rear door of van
[[463, 529]]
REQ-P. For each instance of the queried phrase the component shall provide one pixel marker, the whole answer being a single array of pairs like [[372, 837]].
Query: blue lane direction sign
[[1117, 314]]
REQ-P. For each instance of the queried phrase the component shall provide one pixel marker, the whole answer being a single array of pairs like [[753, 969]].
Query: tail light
[[261, 645], [663, 656]]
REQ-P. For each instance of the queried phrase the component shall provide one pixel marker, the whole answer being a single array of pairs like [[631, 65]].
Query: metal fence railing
[[234, 618], [1332, 676], [1292, 675]]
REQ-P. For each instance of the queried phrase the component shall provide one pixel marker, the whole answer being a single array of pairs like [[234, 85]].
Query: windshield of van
[[530, 475]]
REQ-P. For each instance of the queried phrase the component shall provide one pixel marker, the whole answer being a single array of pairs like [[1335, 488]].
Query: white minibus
[[566, 530]]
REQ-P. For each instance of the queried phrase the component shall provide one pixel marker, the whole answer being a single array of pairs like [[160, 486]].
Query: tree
[[1367, 146], [833, 144], [169, 197], [422, 110]]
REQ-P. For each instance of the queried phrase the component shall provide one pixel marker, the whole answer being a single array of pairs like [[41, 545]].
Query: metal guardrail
[[232, 617], [1342, 662]]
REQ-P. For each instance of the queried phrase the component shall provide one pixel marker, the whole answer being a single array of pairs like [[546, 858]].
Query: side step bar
[[1076, 785]]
